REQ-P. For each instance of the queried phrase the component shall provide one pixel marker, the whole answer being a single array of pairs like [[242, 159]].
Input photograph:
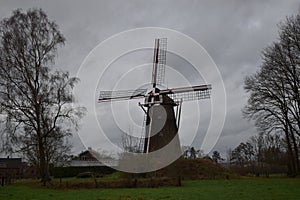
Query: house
[[86, 155], [10, 167], [86, 159]]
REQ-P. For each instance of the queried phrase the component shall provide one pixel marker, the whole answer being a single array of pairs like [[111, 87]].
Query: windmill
[[161, 119]]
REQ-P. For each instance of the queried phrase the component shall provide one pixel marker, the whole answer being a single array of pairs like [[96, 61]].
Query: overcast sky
[[234, 32]]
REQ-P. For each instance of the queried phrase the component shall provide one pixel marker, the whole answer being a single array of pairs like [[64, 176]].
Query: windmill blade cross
[[121, 95]]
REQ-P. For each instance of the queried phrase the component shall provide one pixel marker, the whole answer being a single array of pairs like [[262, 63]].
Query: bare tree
[[35, 99], [269, 151], [191, 152], [131, 144], [274, 101]]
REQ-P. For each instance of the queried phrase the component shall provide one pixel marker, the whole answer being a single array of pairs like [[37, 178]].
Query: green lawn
[[248, 188]]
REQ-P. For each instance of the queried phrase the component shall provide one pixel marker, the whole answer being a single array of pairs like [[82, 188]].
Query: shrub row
[[63, 172]]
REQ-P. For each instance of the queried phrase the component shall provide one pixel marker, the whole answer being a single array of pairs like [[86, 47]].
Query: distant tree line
[[261, 154], [191, 152]]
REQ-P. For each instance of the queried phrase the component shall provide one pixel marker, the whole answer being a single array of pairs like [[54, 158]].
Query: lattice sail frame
[[159, 62], [190, 96], [121, 95], [188, 93]]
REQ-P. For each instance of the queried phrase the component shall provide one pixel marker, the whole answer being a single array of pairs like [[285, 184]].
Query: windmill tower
[[161, 119]]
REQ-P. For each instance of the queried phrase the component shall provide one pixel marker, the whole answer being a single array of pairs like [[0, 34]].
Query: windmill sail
[[188, 93], [159, 62], [121, 95]]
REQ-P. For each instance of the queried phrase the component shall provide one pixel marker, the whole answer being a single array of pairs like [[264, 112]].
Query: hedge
[[63, 172]]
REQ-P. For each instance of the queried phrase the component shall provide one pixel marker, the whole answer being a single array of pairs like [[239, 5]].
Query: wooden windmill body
[[161, 118], [161, 126]]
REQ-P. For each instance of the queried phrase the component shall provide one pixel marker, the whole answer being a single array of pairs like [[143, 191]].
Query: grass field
[[247, 188]]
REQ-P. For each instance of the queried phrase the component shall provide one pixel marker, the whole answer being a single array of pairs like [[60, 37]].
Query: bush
[[191, 169]]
